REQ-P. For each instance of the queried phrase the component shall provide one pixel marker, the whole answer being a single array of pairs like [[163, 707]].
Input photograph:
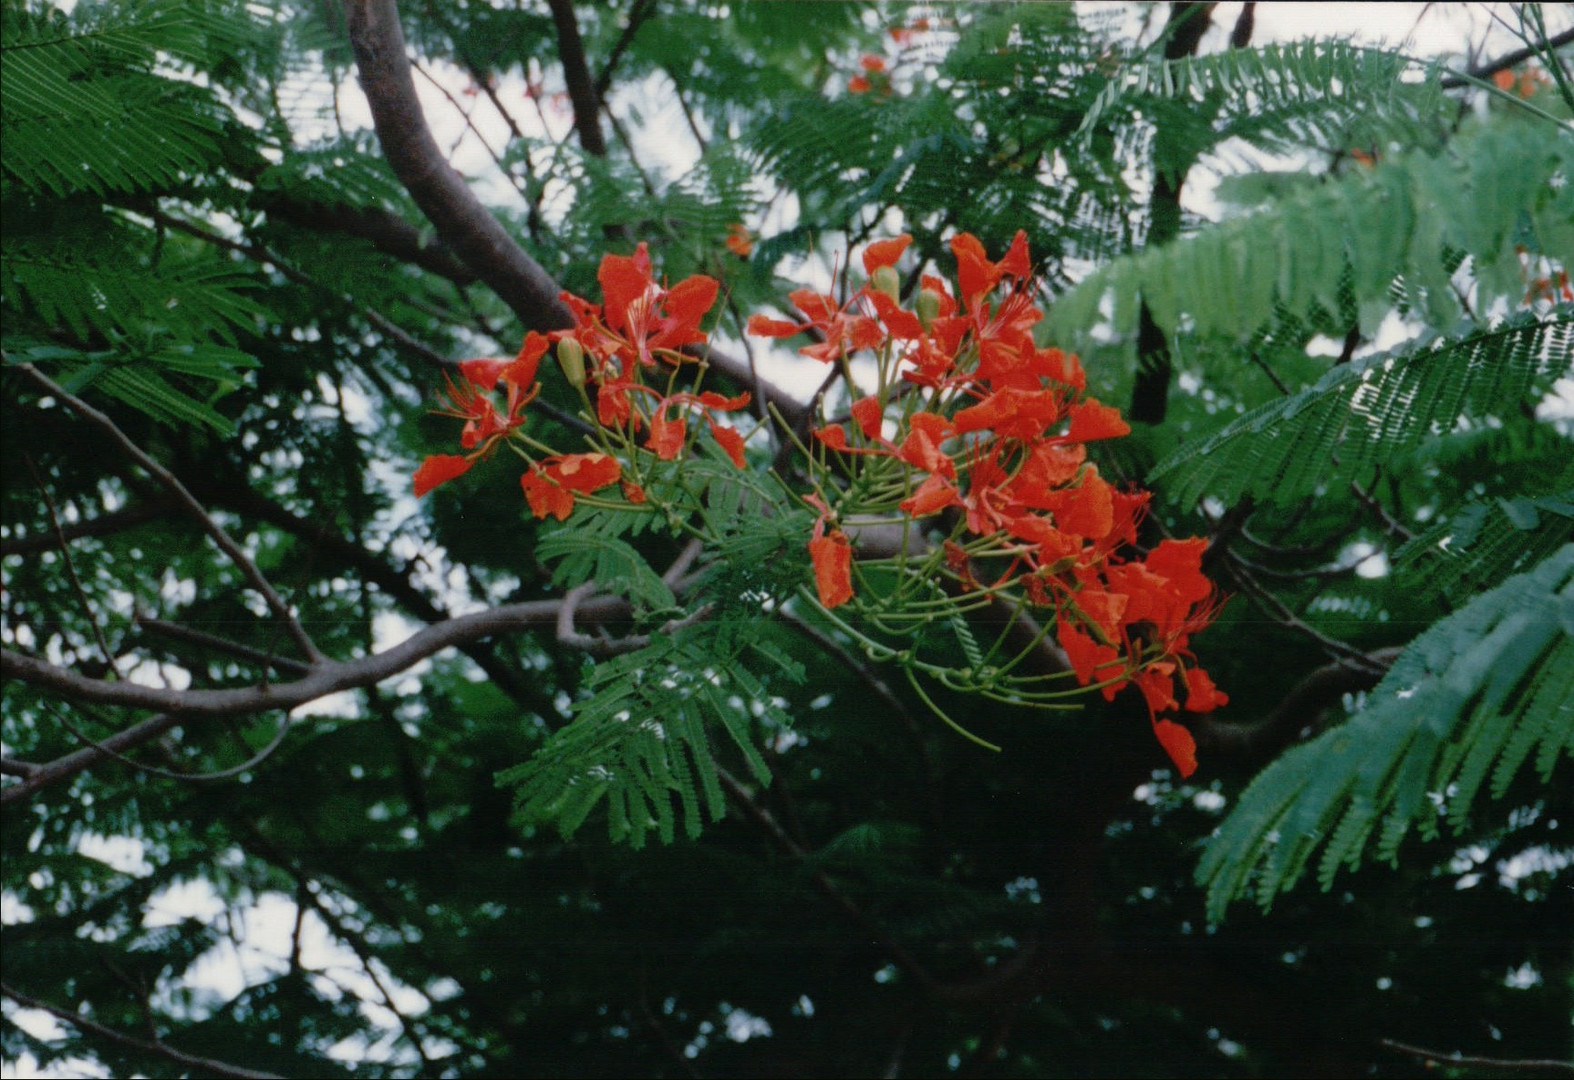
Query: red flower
[[933, 495], [666, 435], [833, 568], [1201, 695], [549, 486], [885, 252], [738, 241], [439, 469], [842, 331], [1178, 744], [729, 440], [976, 275], [1091, 420], [638, 317], [832, 557]]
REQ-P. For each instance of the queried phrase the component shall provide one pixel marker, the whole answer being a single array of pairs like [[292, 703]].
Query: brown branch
[[462, 222], [63, 768], [576, 73], [1296, 712], [1281, 614], [126, 517], [210, 641], [386, 232], [71, 570], [1434, 1058], [326, 677], [1507, 60], [215, 531], [153, 1046], [170, 774], [466, 226], [641, 11], [393, 582]]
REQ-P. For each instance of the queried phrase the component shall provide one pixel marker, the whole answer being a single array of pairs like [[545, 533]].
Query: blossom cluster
[[610, 347], [959, 427]]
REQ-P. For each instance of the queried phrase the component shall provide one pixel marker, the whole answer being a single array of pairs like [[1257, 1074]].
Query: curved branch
[[1321, 689], [127, 517], [327, 677], [155, 1046], [466, 226], [63, 768], [388, 233], [462, 222]]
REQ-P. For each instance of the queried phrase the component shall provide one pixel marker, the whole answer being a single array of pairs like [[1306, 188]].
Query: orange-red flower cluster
[[613, 345], [972, 430], [992, 430]]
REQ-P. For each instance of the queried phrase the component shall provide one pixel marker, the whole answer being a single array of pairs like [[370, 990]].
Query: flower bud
[[886, 281], [571, 357], [927, 306]]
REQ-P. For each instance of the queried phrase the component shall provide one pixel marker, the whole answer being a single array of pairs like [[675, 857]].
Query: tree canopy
[[673, 539]]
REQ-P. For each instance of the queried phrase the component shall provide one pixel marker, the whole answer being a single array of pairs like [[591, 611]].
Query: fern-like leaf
[[640, 743], [609, 562], [1368, 413], [1484, 690], [1407, 221]]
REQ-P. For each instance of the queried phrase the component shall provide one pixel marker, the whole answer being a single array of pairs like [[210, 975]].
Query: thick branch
[[388, 233], [327, 677], [164, 1050], [466, 226], [576, 73], [462, 222]]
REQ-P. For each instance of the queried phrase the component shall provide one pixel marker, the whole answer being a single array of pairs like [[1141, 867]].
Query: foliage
[[225, 314]]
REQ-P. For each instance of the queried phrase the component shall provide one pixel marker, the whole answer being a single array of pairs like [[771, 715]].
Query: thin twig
[[234, 648], [153, 1046], [126, 517], [236, 553], [1284, 616], [1507, 60], [170, 774], [71, 569], [1391, 525], [1539, 1067]]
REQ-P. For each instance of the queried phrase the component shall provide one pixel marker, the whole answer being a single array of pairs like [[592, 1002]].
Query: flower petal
[[439, 469]]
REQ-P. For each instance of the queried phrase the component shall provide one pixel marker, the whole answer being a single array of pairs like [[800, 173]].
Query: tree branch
[[466, 226], [462, 222], [325, 677], [63, 768], [126, 517], [1434, 1058], [1507, 60], [576, 73], [386, 232], [1298, 710], [214, 530], [154, 1046]]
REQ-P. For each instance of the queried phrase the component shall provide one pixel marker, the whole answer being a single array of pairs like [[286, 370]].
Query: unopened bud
[[886, 281], [571, 357], [927, 306]]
